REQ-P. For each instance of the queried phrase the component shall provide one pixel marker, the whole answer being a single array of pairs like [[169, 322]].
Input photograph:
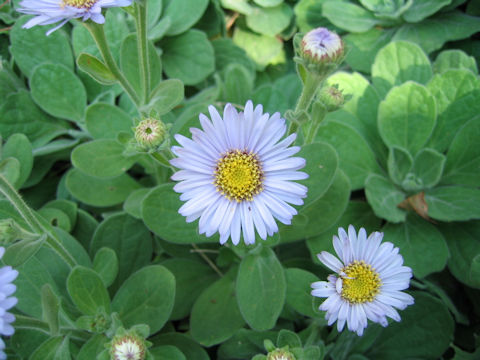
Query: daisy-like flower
[[128, 347], [53, 11], [368, 284], [7, 275], [236, 175]]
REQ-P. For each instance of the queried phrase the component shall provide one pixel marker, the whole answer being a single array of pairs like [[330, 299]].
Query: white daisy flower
[[236, 176], [128, 347], [368, 284], [7, 275], [53, 11]]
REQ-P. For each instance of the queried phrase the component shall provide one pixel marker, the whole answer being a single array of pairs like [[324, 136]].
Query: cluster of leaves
[[404, 143]]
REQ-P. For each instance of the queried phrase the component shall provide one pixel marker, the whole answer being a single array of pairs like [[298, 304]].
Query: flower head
[[368, 283], [280, 354], [236, 176], [53, 11], [7, 275], [150, 133], [322, 45], [128, 347]]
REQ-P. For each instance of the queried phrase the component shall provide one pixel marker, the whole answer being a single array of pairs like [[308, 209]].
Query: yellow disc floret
[[80, 4], [361, 283], [238, 175]]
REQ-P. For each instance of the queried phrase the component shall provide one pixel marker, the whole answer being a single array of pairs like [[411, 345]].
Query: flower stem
[[309, 90], [142, 48], [35, 224], [207, 259], [98, 35]]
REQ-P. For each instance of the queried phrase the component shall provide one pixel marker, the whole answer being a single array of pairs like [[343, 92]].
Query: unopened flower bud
[[331, 97], [280, 354], [150, 133], [321, 51]]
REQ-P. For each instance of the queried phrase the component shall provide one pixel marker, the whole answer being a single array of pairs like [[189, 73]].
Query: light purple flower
[[7, 275], [60, 11], [237, 176], [322, 44], [368, 283]]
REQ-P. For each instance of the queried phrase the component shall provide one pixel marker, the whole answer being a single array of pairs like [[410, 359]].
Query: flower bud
[[280, 354], [128, 346], [331, 97], [321, 51], [150, 133]]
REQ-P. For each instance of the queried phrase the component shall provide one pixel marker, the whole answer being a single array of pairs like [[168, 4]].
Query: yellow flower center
[[80, 4], [239, 175], [361, 283]]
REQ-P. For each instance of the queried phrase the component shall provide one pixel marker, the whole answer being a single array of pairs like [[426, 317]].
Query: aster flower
[[368, 284], [150, 133], [7, 275], [128, 346], [54, 11], [321, 44], [236, 175]]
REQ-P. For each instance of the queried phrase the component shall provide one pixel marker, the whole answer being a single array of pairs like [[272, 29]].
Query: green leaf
[[426, 331], [399, 164], [19, 252], [188, 57], [133, 204], [288, 338], [56, 218], [92, 347], [192, 277], [398, 62], [166, 96], [10, 169], [19, 147], [69, 208], [160, 214], [348, 16], [268, 3], [49, 84], [87, 291], [356, 158], [415, 238], [130, 63], [187, 346], [100, 192], [261, 289], [320, 214], [32, 47], [384, 198], [263, 50], [431, 34], [427, 170], [105, 121], [96, 69], [422, 9], [227, 53], [452, 85], [298, 291], [215, 315], [308, 15], [20, 114], [453, 203], [50, 308], [270, 20], [358, 213], [457, 114], [463, 157], [153, 307], [454, 59], [167, 352], [106, 265], [55, 348], [407, 117], [102, 158], [130, 240], [183, 14], [463, 241], [238, 85]]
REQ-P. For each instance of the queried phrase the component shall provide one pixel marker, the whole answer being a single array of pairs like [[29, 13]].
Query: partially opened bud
[[331, 97], [128, 346], [280, 354]]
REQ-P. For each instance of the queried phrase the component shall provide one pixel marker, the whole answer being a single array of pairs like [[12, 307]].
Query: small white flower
[[128, 347], [53, 11], [368, 284], [7, 275], [236, 176]]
